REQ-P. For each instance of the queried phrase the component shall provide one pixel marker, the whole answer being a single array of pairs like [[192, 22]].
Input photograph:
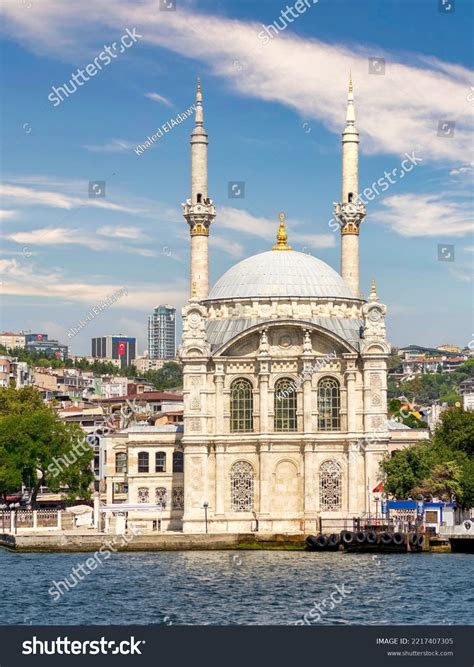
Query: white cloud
[[425, 215], [245, 223], [159, 98], [465, 169], [397, 112], [232, 248], [24, 280], [114, 146], [132, 233], [51, 236], [23, 196], [8, 214], [462, 273]]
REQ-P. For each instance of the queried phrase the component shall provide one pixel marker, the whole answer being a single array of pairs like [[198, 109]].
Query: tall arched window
[[241, 406], [242, 482], [330, 486], [285, 405], [121, 462], [143, 462], [178, 462], [329, 404], [160, 462]]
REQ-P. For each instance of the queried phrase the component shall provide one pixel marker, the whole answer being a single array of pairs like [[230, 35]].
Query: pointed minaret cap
[[350, 116], [199, 118], [373, 291], [282, 236]]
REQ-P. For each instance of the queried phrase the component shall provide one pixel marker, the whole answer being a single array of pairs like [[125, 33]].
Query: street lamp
[[205, 505]]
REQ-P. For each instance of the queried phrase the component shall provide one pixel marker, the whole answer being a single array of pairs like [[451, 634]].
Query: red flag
[[122, 348], [378, 488]]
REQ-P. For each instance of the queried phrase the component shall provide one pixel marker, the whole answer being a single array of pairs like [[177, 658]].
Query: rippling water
[[230, 587]]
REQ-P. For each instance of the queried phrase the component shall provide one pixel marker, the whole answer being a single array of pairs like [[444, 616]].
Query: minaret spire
[[199, 211], [350, 211]]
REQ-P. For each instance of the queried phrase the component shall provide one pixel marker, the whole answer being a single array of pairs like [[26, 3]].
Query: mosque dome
[[280, 274]]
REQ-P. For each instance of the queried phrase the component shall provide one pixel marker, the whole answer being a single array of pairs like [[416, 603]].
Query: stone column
[[220, 479], [309, 480], [265, 475], [307, 406], [352, 486], [219, 402], [351, 401], [263, 389]]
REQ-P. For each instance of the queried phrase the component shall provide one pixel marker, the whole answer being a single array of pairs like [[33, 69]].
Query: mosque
[[285, 381]]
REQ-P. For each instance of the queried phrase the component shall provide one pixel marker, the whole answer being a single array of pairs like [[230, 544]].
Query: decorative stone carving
[[350, 216], [195, 425]]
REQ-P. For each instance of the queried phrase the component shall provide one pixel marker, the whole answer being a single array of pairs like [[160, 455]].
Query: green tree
[[37, 448], [444, 483], [168, 377], [406, 469]]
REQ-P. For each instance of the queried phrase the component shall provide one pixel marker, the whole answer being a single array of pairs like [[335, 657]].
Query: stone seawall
[[148, 542]]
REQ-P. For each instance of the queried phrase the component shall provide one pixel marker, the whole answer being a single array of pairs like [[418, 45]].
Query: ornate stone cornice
[[350, 216]]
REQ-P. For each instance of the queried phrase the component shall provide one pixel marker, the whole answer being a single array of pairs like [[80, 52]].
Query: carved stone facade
[[312, 393]]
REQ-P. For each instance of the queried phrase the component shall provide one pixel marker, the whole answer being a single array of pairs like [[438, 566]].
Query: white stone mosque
[[285, 380]]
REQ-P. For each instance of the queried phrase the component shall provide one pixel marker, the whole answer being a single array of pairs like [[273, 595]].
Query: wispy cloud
[[114, 146], [462, 273], [159, 98], [232, 248], [425, 215], [26, 280], [24, 196], [8, 214], [306, 75], [53, 236], [245, 223], [131, 233], [465, 169]]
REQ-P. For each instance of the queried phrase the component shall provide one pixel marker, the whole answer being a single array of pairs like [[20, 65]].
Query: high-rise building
[[162, 333], [115, 346]]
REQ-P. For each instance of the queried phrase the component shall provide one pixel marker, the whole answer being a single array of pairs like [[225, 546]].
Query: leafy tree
[[443, 468], [37, 448], [444, 483], [455, 431], [168, 377], [406, 469]]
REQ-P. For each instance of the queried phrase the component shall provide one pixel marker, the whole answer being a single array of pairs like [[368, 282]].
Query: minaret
[[350, 211], [199, 211]]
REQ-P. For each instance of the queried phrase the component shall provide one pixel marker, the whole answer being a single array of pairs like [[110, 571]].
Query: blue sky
[[274, 111]]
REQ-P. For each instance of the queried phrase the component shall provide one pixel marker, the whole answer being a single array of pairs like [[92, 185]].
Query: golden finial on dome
[[193, 289], [199, 84], [373, 289], [282, 236], [350, 81]]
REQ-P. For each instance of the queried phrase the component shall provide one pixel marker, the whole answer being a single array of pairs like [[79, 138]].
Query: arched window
[[121, 462], [143, 462], [330, 486], [161, 496], [178, 462], [285, 405], [329, 403], [160, 462], [143, 494], [241, 406], [242, 481]]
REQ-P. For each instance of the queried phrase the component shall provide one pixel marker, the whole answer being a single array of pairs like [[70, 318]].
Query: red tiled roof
[[145, 396], [159, 396]]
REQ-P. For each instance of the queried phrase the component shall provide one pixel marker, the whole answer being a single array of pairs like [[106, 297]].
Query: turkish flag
[[378, 488], [122, 348]]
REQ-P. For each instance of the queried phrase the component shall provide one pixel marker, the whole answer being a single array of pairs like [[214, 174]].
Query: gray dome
[[280, 273]]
